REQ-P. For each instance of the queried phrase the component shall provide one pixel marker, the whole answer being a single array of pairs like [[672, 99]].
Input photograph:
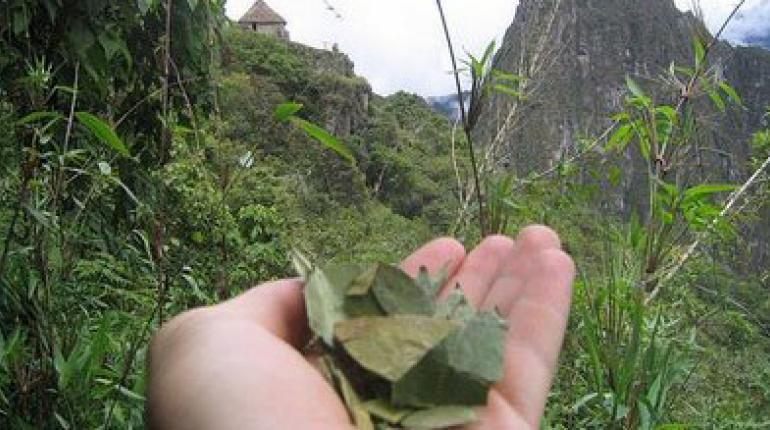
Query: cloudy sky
[[398, 44]]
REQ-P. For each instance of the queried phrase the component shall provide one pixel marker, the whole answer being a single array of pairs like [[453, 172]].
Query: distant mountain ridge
[[448, 105], [762, 41], [577, 54]]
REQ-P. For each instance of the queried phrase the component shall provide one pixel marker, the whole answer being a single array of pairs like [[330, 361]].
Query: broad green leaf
[[326, 139], [644, 148], [440, 417], [730, 91], [382, 409], [668, 112], [38, 116], [103, 132], [397, 293], [717, 100], [285, 111], [500, 88], [620, 117], [699, 192], [700, 51], [620, 139], [193, 4], [507, 77], [391, 346]]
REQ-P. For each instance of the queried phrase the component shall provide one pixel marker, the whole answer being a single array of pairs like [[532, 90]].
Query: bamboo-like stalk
[[466, 124], [651, 278], [692, 249]]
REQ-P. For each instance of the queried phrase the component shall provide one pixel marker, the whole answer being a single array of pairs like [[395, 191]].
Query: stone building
[[261, 18]]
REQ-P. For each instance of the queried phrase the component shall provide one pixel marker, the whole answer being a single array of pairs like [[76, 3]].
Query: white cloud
[[399, 44], [753, 18]]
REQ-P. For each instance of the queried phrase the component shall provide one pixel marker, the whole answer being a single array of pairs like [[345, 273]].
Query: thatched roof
[[261, 13]]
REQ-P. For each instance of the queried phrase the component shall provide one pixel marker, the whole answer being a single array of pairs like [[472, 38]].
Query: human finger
[[439, 254], [480, 268], [277, 306], [515, 267], [538, 318]]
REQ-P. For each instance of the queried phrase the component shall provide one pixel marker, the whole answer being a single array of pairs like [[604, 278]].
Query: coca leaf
[[461, 369], [364, 282], [391, 346], [362, 306], [431, 285], [440, 417], [477, 348], [325, 296], [433, 382], [383, 410], [399, 295], [355, 406]]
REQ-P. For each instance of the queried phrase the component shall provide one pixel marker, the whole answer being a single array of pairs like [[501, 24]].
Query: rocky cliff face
[[577, 53], [345, 95]]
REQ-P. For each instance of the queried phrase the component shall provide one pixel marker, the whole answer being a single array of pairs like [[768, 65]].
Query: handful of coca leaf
[[398, 357]]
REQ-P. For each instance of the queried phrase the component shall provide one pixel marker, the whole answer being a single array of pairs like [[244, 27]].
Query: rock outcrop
[[577, 54]]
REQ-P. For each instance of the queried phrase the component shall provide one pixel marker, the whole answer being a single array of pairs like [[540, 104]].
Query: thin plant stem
[[166, 147], [464, 117], [691, 250], [651, 278]]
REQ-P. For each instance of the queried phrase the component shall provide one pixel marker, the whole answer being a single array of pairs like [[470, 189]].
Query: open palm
[[239, 365]]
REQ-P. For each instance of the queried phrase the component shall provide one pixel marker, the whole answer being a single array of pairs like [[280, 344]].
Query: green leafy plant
[[287, 113]]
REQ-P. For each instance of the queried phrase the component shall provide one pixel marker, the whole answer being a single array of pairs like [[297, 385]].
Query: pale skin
[[239, 365]]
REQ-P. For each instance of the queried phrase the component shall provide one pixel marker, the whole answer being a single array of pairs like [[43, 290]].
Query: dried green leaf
[[441, 417], [325, 297], [399, 295], [460, 370], [432, 382], [362, 306], [391, 346], [382, 409], [456, 307], [432, 285], [301, 263], [477, 348], [360, 414], [364, 282]]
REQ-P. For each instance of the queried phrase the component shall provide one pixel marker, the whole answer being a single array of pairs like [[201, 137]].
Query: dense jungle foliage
[[144, 172]]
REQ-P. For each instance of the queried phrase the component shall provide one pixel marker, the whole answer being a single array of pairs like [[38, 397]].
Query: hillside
[[577, 55], [141, 179]]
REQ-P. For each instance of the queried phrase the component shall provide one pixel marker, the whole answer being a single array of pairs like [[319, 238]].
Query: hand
[[239, 365]]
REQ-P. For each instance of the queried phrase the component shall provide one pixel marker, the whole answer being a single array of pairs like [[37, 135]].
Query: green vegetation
[[133, 188]]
